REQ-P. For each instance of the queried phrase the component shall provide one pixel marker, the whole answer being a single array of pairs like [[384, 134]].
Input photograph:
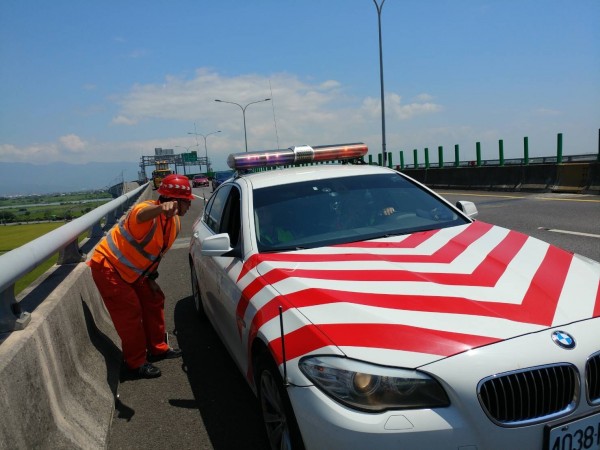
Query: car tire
[[196, 294], [277, 413]]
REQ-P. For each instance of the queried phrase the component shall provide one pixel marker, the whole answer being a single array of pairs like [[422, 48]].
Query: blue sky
[[112, 80]]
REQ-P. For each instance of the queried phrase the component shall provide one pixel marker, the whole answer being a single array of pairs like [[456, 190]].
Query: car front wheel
[[278, 416]]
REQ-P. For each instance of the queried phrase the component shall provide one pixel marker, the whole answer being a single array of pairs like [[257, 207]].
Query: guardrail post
[[440, 156], [478, 152], [97, 230], [526, 150], [559, 148], [501, 151], [11, 316], [416, 158], [456, 156], [402, 159], [70, 254], [111, 219], [426, 158]]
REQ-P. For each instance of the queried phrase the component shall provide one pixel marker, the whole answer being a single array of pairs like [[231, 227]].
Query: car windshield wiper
[[413, 230], [399, 233], [283, 249]]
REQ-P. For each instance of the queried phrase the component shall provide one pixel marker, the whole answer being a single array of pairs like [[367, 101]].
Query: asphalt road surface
[[203, 402], [569, 221]]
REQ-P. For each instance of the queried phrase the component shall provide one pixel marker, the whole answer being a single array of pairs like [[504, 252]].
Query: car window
[[230, 219], [215, 207], [338, 210]]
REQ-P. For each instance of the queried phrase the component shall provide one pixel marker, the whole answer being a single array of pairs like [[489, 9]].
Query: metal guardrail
[[588, 157], [22, 260]]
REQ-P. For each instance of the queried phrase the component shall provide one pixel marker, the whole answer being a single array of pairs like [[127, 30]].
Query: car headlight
[[373, 388]]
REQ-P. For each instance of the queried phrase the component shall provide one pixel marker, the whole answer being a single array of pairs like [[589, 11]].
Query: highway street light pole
[[383, 147], [243, 108], [205, 147]]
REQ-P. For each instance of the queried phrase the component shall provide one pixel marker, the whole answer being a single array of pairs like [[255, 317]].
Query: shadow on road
[[226, 403]]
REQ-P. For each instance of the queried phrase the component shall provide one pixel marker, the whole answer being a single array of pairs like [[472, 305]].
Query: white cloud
[[313, 112], [123, 120], [72, 143], [424, 97], [34, 152], [395, 110]]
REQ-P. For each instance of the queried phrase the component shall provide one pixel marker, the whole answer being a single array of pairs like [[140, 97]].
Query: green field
[[13, 236], [53, 198], [50, 207], [53, 210]]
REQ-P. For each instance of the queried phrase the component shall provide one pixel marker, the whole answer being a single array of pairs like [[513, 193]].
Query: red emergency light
[[297, 155]]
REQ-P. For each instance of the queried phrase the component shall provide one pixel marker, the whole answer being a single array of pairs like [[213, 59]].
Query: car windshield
[[340, 210]]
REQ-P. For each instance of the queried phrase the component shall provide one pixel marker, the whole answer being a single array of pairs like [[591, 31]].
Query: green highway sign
[[190, 157]]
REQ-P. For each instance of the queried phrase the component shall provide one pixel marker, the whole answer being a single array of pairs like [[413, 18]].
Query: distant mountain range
[[29, 179]]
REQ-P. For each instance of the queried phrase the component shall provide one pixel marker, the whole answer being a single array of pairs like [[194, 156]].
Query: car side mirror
[[468, 208], [216, 245]]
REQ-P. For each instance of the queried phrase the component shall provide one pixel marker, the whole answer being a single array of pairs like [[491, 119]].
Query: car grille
[[592, 376], [531, 395]]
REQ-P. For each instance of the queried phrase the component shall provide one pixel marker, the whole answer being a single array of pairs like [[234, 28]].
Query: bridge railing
[[64, 240]]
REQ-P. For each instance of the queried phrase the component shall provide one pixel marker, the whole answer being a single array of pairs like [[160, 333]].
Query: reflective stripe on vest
[[133, 259]]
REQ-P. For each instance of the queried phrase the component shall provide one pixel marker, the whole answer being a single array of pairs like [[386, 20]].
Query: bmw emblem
[[564, 340]]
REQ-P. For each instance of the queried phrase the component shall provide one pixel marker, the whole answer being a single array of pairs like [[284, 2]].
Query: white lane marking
[[577, 233]]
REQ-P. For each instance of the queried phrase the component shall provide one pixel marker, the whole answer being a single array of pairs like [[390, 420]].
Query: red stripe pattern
[[516, 285]]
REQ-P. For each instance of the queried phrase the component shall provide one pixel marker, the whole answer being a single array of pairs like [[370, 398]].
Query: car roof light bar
[[296, 155]]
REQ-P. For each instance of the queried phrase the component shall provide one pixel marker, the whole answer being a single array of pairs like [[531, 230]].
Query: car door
[[208, 273], [223, 292]]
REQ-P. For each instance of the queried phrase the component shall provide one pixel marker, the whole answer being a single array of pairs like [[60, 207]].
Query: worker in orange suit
[[124, 268]]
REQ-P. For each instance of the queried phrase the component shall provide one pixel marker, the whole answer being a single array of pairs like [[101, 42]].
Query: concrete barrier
[[569, 177], [538, 177], [593, 185], [59, 376], [456, 177]]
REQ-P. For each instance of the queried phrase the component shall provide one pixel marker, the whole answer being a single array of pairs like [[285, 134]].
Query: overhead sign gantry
[[166, 155]]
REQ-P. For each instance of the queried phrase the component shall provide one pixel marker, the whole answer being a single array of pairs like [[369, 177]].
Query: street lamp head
[[243, 108]]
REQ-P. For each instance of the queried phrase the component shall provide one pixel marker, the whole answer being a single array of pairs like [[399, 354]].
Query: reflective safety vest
[[135, 257]]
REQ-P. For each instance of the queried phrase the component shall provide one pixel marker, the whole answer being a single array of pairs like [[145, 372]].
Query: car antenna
[[285, 378]]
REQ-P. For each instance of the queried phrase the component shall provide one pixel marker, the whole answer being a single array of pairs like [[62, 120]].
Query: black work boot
[[169, 354], [148, 370]]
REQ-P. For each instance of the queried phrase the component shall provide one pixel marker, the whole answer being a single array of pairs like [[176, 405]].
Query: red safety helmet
[[176, 186]]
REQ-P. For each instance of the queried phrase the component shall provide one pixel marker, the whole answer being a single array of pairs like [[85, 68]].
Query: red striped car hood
[[428, 295]]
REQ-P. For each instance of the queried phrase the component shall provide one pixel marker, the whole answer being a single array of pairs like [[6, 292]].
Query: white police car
[[366, 312]]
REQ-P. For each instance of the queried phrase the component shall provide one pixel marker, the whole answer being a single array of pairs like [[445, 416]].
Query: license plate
[[581, 434]]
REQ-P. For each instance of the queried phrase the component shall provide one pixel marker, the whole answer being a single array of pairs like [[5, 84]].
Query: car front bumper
[[325, 424]]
